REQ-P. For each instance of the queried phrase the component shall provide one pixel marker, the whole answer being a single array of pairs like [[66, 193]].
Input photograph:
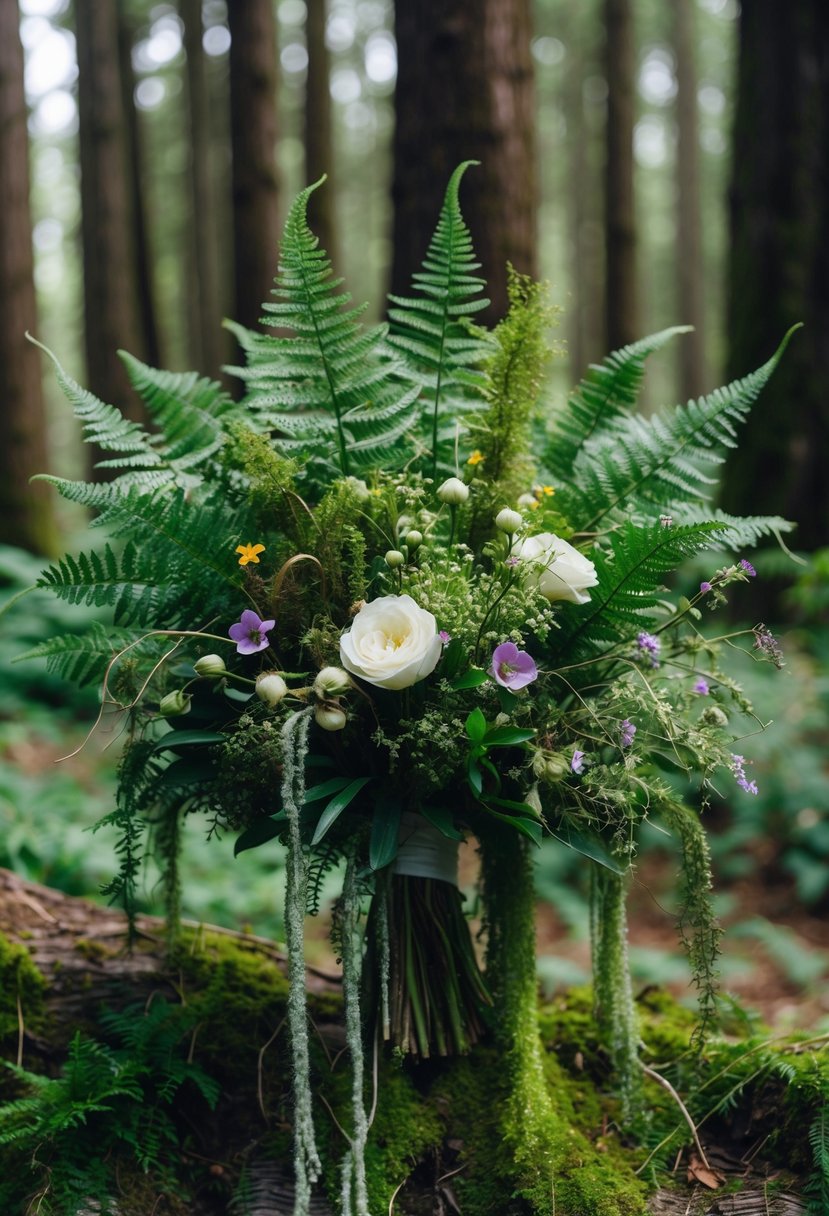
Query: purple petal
[[238, 632], [507, 652], [248, 646], [250, 620]]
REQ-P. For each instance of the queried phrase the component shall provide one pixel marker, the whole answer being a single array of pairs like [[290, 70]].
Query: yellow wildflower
[[544, 491], [250, 553], [476, 457]]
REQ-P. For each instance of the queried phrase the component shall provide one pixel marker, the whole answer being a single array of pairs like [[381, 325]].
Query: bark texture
[[205, 334], [465, 92], [319, 146], [25, 510], [111, 282], [622, 297], [253, 134], [779, 269], [690, 278]]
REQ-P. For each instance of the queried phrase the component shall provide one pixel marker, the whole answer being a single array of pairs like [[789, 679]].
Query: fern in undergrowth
[[644, 465], [818, 1186], [64, 1143], [431, 328], [326, 391]]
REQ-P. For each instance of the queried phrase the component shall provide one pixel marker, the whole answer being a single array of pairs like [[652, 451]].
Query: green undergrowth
[[450, 1120]]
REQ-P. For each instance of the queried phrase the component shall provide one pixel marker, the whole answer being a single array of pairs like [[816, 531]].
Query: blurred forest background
[[657, 161]]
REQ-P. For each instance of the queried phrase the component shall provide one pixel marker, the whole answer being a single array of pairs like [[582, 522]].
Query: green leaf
[[588, 846], [188, 738], [185, 771], [385, 827], [476, 777], [473, 678], [476, 726], [506, 699], [443, 820], [260, 832], [528, 827], [507, 736], [332, 786], [521, 808], [336, 806]]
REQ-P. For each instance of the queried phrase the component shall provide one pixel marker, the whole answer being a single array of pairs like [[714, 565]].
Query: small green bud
[[331, 681], [414, 538], [394, 558], [174, 704], [270, 687], [453, 491], [533, 800], [551, 766], [330, 716], [210, 666], [508, 520], [712, 715]]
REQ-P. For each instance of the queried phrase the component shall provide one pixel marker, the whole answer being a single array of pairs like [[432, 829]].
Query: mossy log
[[438, 1137]]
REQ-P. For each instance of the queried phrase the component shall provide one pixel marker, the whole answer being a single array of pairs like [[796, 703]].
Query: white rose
[[393, 643], [561, 572]]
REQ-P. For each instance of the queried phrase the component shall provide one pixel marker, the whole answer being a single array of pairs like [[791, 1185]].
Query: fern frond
[[608, 392], [178, 555], [630, 569], [430, 328], [326, 389], [83, 658], [739, 531], [647, 464]]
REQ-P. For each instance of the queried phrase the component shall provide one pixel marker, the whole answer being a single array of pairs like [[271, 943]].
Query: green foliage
[[326, 390], [623, 463], [62, 1141], [432, 328]]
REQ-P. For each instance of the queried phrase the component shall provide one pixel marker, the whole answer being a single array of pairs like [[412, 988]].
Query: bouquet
[[390, 601]]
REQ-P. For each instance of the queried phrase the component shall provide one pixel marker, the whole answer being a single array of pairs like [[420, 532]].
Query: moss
[[95, 952], [20, 981]]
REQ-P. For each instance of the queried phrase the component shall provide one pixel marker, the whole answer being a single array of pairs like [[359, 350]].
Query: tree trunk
[[25, 510], [141, 241], [779, 268], [253, 135], [465, 92], [585, 309], [111, 282], [319, 147], [622, 304], [691, 273], [205, 310]]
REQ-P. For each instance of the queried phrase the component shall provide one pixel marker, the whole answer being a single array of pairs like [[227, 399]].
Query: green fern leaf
[[608, 392], [430, 329], [630, 570], [644, 465], [326, 391]]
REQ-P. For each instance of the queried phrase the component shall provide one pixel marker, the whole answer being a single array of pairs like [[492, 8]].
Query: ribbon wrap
[[424, 851]]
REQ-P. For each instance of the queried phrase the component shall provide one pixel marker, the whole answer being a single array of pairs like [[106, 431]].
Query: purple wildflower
[[626, 732], [445, 637], [767, 644], [738, 771], [701, 687], [250, 633], [512, 560], [577, 763], [511, 667], [650, 645], [749, 569], [704, 588]]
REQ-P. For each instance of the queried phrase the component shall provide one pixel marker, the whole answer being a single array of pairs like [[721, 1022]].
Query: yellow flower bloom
[[476, 457], [544, 491], [250, 553]]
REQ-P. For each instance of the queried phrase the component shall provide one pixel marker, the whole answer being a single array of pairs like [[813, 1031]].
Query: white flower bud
[[533, 799], [453, 491], [359, 487], [508, 520], [174, 704], [394, 558], [528, 500], [270, 687], [414, 538], [331, 681], [210, 666], [330, 716]]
